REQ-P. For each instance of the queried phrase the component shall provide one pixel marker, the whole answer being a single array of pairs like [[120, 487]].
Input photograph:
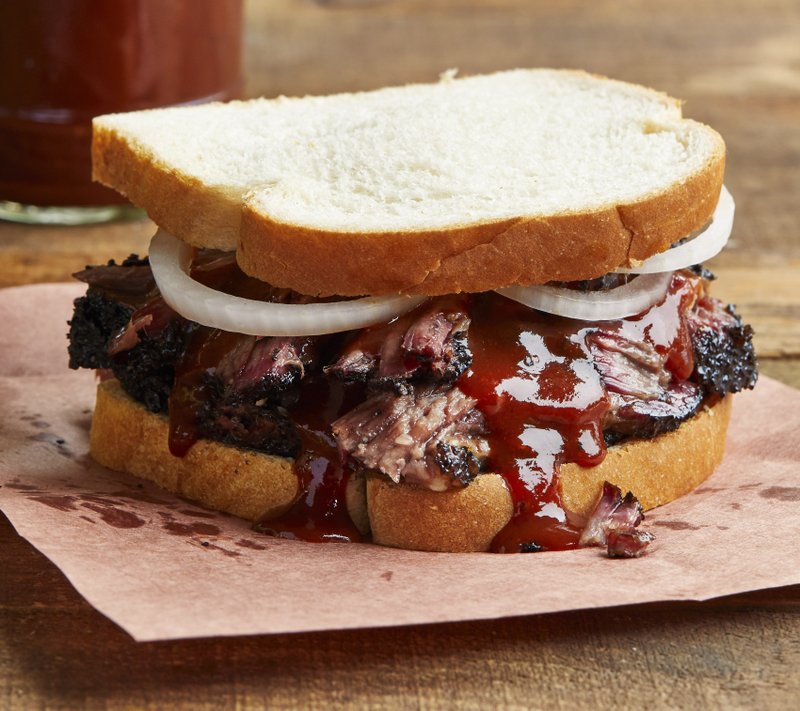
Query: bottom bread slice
[[253, 486], [126, 437]]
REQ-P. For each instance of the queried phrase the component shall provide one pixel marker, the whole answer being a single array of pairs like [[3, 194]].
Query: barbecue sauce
[[66, 61], [319, 513], [544, 403], [193, 386], [664, 325]]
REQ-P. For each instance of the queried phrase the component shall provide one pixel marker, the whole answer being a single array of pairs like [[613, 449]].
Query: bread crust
[[454, 521], [126, 437], [656, 470], [202, 215], [477, 257], [252, 485]]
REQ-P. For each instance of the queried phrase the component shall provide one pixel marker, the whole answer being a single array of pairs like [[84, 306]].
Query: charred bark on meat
[[94, 320], [630, 417], [244, 397], [725, 359], [132, 277], [147, 371], [644, 402], [235, 418], [103, 333]]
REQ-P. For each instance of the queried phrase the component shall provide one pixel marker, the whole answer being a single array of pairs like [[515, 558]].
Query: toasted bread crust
[[250, 485], [656, 471], [455, 521], [478, 257]]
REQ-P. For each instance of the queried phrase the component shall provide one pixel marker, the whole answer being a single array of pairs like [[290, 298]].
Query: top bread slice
[[518, 177]]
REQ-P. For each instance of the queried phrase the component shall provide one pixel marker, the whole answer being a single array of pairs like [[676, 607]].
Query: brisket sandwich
[[448, 317]]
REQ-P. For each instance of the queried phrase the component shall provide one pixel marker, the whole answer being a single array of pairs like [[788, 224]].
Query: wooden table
[[737, 64]]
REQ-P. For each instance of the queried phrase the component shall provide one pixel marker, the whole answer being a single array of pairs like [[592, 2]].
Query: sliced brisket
[[631, 417], [123, 325], [146, 370], [628, 367], [415, 425], [233, 388], [428, 345], [429, 436], [95, 319], [644, 401], [133, 277], [266, 368], [227, 416]]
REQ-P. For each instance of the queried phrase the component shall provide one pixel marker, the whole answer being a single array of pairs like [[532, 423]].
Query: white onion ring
[[627, 300], [170, 260], [707, 244]]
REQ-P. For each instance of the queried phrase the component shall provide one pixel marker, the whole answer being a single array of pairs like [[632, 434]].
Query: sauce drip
[[664, 325], [543, 402], [319, 513], [193, 386]]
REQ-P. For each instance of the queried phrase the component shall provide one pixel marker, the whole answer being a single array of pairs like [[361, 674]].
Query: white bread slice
[[469, 184], [251, 485]]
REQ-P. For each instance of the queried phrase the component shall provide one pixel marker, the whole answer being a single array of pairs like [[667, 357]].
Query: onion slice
[[170, 260], [707, 244], [627, 300]]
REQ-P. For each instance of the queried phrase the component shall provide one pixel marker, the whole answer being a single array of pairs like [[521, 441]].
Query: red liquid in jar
[[66, 61]]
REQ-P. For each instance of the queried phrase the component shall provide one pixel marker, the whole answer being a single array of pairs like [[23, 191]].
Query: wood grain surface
[[737, 65]]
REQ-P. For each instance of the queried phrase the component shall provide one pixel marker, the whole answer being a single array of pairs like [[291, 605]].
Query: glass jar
[[66, 61]]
